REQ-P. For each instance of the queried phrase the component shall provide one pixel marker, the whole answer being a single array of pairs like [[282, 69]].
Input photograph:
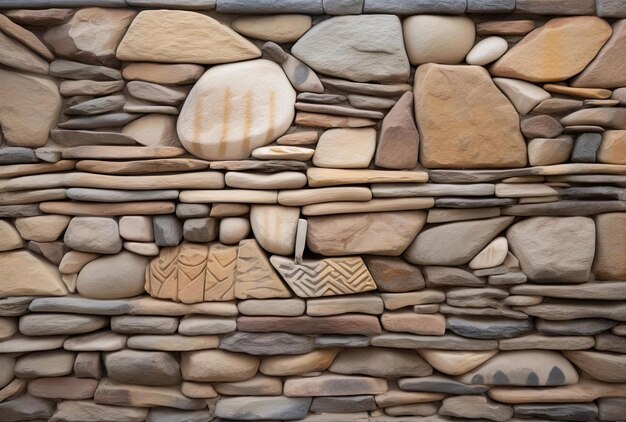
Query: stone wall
[[318, 210]]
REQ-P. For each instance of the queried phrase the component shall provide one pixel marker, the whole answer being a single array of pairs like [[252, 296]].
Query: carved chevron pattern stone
[[325, 277]]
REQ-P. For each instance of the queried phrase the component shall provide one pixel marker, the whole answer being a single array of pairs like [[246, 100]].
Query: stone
[[573, 7], [91, 35], [449, 137], [67, 69], [475, 407], [583, 327], [612, 147], [450, 215], [439, 384], [326, 341], [223, 89], [367, 361], [62, 388], [438, 39], [43, 277], [343, 7], [282, 366], [492, 255], [26, 407], [343, 404], [283, 152], [572, 412], [185, 211], [455, 362], [345, 148], [339, 110], [217, 366], [611, 408], [554, 249], [105, 120], [386, 90], [80, 410], [442, 245], [267, 166], [524, 368], [334, 385], [541, 126], [71, 88], [148, 91], [607, 262], [97, 106], [9, 237], [153, 130], [279, 180], [398, 141], [546, 152], [505, 27], [24, 94], [265, 408], [136, 228], [607, 367], [198, 390], [395, 301], [277, 28], [411, 322], [394, 275], [8, 327], [160, 35], [321, 120], [41, 324], [255, 277], [586, 390], [267, 343], [606, 69], [259, 385], [360, 48], [534, 341], [172, 343], [369, 102], [233, 230], [168, 230], [594, 93], [44, 17], [487, 50], [94, 235], [195, 325], [606, 117], [113, 277], [487, 327], [99, 341], [557, 105], [200, 230], [18, 155], [541, 55], [523, 95], [585, 148], [166, 74], [119, 394], [376, 233], [142, 367], [72, 138], [17, 56], [6, 370]]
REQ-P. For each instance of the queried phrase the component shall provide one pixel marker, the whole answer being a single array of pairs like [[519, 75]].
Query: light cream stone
[[177, 36], [524, 190], [345, 148], [456, 362], [9, 237], [233, 229], [547, 152], [286, 365], [136, 228], [280, 180], [320, 177], [153, 130], [141, 248], [43, 278], [607, 367], [299, 197], [523, 95], [487, 50], [235, 108], [274, 227], [42, 228], [277, 28], [283, 152], [438, 39], [492, 255]]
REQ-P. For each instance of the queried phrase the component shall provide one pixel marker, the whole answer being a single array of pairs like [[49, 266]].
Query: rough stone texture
[[462, 131], [94, 235], [112, 277], [608, 262]]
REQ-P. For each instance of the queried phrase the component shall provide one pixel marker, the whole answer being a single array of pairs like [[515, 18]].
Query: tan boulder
[[23, 273], [459, 129], [217, 365], [17, 56], [609, 262], [277, 28], [613, 147], [42, 228], [168, 74], [178, 36], [556, 51], [9, 237], [286, 365]]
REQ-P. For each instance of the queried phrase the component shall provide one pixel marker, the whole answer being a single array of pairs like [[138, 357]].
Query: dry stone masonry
[[316, 210]]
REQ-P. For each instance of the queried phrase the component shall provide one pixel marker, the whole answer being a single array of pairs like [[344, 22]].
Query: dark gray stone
[[440, 384], [267, 344], [76, 138], [175, 4], [15, 211], [514, 277], [167, 414], [15, 306], [611, 8], [488, 328], [41, 4], [312, 97], [200, 230], [343, 404], [100, 121], [473, 202], [611, 343], [17, 155], [26, 408], [562, 412], [113, 195], [263, 408], [585, 148], [142, 367], [575, 327], [343, 7], [311, 7], [490, 6], [263, 166], [192, 210], [79, 305], [598, 193], [409, 7], [562, 7], [565, 208], [67, 69], [341, 341], [97, 106], [611, 408], [445, 342], [168, 230]]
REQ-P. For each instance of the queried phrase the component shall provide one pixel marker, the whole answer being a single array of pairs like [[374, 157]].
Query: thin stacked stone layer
[[327, 210]]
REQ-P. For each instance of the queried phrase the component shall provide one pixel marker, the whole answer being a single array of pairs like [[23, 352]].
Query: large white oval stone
[[235, 108]]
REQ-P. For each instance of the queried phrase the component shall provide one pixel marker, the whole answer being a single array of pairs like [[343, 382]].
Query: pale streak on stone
[[374, 205], [300, 239], [319, 177], [237, 196]]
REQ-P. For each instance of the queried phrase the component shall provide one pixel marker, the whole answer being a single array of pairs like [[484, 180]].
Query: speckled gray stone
[[168, 230], [113, 195], [440, 384], [490, 6], [342, 7], [263, 408], [311, 7], [611, 8], [410, 7], [17, 155], [585, 148], [80, 305], [267, 344], [488, 327], [67, 69], [343, 404], [341, 341], [561, 412]]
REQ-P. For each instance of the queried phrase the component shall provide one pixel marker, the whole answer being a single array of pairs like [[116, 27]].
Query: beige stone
[[233, 229], [73, 261], [119, 394], [153, 130], [167, 74], [613, 147], [438, 39], [492, 255], [113, 277], [381, 233], [556, 51], [410, 322], [234, 196], [609, 263], [288, 365], [475, 407], [42, 228], [91, 35], [280, 180], [22, 95], [9, 237], [487, 50], [43, 278], [136, 228], [299, 197], [7, 363], [320, 177], [8, 327], [570, 91], [380, 362], [274, 227], [334, 385], [217, 365], [523, 95], [394, 301], [283, 152], [456, 362], [176, 36], [236, 108], [547, 152], [277, 28], [586, 391], [363, 304], [198, 390], [255, 276], [16, 55], [345, 148], [25, 36], [68, 388], [458, 130], [374, 205], [607, 367]]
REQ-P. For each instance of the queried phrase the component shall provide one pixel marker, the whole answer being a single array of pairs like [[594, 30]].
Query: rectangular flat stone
[[445, 342], [152, 306], [410, 7], [437, 215], [234, 196], [432, 189], [611, 8], [340, 324], [374, 205], [490, 6], [319, 177], [16, 170], [118, 394], [334, 385], [561, 7], [79, 305], [39, 4], [565, 208], [311, 7], [273, 307], [342, 305]]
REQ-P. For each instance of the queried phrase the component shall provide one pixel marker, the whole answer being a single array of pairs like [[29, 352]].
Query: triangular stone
[[255, 277]]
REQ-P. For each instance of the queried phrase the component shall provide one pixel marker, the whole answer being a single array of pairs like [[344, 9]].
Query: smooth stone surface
[[88, 87], [79, 410], [113, 277], [438, 39], [524, 95], [547, 54], [398, 142], [455, 362], [119, 394], [606, 117], [278, 307], [546, 152], [345, 148], [394, 275], [487, 327], [267, 343], [277, 28], [43, 278], [383, 233], [439, 384], [334, 385], [475, 407], [541, 126], [202, 325], [445, 342], [486, 51], [572, 412], [279, 180], [56, 324], [608, 367], [78, 71], [141, 367], [223, 89], [26, 407], [127, 324], [452, 124], [264, 408], [153, 130], [367, 362], [338, 324], [411, 322], [612, 147], [607, 264], [16, 55], [274, 227], [94, 235], [360, 48]]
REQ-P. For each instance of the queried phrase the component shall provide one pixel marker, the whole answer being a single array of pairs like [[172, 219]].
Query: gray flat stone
[[75, 138], [263, 408], [324, 341], [490, 6], [343, 7], [313, 97], [39, 4], [343, 404], [112, 195], [15, 211], [81, 410], [97, 106], [267, 344], [165, 414], [67, 69], [561, 412], [601, 193], [565, 208], [106, 120], [473, 202], [175, 4], [611, 343], [487, 327], [611, 408], [445, 342], [168, 230], [575, 327], [47, 324], [200, 230], [542, 7], [310, 7], [192, 210], [79, 305], [440, 384], [17, 155], [132, 324], [410, 7], [585, 148], [27, 407], [386, 90], [611, 8], [143, 367]]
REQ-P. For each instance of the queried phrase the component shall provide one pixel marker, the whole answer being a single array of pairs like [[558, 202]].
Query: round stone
[[7, 363], [487, 51], [93, 234], [113, 277], [234, 229], [235, 108]]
